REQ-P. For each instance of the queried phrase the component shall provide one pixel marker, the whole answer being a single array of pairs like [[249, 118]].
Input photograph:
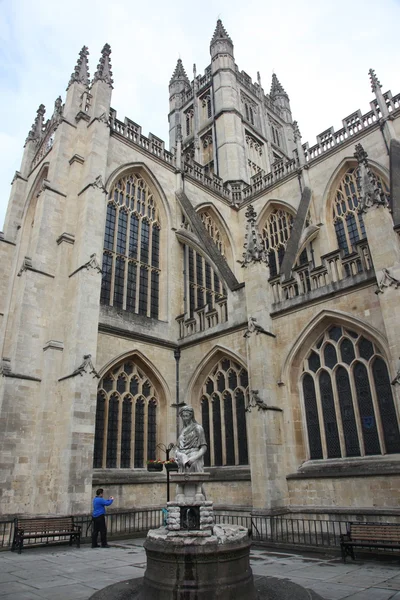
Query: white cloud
[[321, 52]]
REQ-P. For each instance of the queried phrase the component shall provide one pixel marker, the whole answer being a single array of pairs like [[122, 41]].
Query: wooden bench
[[42, 529], [369, 535]]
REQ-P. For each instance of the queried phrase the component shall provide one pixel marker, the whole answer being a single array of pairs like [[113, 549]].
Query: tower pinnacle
[[375, 83], [37, 127], [179, 73], [104, 72], [81, 72], [277, 88], [220, 33]]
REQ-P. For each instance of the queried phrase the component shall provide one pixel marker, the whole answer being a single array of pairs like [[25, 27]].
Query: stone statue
[[191, 445]]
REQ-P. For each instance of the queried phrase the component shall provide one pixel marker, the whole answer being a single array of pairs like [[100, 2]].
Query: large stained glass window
[[126, 419], [223, 414], [131, 259], [276, 232], [348, 401]]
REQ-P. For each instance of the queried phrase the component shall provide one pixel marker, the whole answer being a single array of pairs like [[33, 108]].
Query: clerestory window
[[131, 258], [276, 232]]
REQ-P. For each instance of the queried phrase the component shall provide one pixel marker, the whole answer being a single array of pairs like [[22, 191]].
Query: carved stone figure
[[191, 444]]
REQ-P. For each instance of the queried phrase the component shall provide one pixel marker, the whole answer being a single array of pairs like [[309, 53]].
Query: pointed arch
[[275, 226], [224, 228], [137, 230], [328, 198], [131, 402], [315, 328], [218, 390]]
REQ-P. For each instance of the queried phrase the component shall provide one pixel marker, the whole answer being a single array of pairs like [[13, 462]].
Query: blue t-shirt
[[98, 506]]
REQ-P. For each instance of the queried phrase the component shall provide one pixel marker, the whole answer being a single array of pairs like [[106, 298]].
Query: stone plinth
[[198, 565], [189, 487], [179, 516]]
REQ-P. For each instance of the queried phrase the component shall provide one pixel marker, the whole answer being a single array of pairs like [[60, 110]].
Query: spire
[[179, 73], [104, 72], [37, 128], [81, 73], [277, 88], [375, 83], [220, 33]]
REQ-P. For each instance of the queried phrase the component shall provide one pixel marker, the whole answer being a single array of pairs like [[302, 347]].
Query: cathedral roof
[[179, 72], [220, 33]]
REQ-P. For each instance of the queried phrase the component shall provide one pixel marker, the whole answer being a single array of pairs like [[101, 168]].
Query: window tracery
[[223, 413], [203, 286], [206, 106], [131, 259], [213, 230], [208, 148], [276, 232], [348, 221], [126, 419], [189, 121], [348, 401]]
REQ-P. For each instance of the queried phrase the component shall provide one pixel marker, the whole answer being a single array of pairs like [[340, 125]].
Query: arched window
[[203, 286], [348, 222], [348, 400], [276, 232], [131, 259], [213, 230], [126, 419], [223, 414]]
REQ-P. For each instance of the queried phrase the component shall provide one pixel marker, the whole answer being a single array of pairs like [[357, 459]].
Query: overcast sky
[[321, 51]]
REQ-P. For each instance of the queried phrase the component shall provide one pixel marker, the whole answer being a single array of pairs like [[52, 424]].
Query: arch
[[147, 367], [130, 413], [315, 328], [326, 206], [40, 176], [142, 169], [270, 205], [206, 364], [223, 226], [275, 228]]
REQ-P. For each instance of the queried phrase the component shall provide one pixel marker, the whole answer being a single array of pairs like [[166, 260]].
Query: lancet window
[[255, 154], [348, 401], [126, 419], [131, 258], [276, 232], [223, 400], [213, 230], [206, 106], [348, 221], [207, 147], [189, 121], [203, 286]]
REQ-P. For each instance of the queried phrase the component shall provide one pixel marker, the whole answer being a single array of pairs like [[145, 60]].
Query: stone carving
[[98, 183], [5, 367], [386, 281], [36, 131], [26, 264], [103, 118], [296, 132], [396, 380], [58, 111], [191, 444], [252, 327], [375, 83], [86, 367], [368, 185], [255, 402], [254, 245], [93, 263]]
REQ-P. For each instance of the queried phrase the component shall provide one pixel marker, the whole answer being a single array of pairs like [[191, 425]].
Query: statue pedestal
[[189, 487]]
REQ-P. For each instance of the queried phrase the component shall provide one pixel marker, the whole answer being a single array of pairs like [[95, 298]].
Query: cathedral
[[242, 271]]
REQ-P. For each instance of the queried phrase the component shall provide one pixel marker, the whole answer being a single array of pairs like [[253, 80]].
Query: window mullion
[[339, 422], [133, 417], [356, 411], [145, 429], [320, 415], [376, 406], [106, 411]]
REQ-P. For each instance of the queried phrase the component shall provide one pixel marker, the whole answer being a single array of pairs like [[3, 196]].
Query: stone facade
[[242, 272]]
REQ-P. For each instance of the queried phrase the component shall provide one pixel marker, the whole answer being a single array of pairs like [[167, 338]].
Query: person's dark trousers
[[99, 526]]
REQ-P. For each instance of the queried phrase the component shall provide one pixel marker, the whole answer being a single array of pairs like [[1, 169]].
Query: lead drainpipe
[[177, 356]]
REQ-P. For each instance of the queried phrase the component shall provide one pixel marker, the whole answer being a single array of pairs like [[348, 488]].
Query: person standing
[[99, 518]]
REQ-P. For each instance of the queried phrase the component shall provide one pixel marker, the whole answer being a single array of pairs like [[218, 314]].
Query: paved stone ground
[[64, 573]]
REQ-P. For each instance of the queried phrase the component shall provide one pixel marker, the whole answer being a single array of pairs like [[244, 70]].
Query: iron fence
[[272, 530]]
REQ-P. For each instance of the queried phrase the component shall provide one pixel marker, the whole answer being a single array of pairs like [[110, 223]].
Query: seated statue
[[191, 445]]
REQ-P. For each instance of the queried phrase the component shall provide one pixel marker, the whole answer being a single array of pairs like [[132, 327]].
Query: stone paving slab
[[64, 573]]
